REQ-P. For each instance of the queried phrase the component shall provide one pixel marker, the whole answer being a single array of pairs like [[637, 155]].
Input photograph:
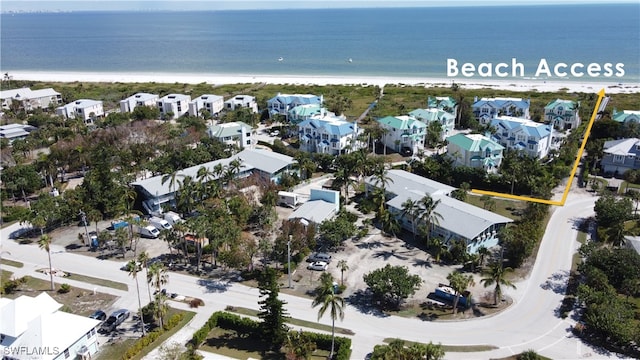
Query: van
[[148, 231], [160, 224], [172, 218]]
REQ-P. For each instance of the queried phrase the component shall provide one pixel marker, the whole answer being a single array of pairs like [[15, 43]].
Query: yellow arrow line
[[573, 171]]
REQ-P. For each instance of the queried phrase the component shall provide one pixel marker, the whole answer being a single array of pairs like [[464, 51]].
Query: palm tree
[[342, 265], [483, 252], [329, 300], [428, 214], [411, 208], [487, 202], [496, 274], [143, 259], [132, 267], [45, 244], [172, 178], [157, 276], [161, 308], [459, 283]]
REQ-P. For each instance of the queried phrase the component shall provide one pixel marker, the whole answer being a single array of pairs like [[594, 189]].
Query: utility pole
[[289, 259]]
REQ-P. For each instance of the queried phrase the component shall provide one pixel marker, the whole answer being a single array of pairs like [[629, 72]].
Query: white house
[[460, 221], [175, 105], [322, 205], [282, 103], [445, 119], [562, 114], [528, 136], [211, 103], [403, 132], [30, 324], [30, 99], [486, 109], [475, 150], [140, 99], [85, 109], [328, 135], [242, 101], [234, 133], [13, 132]]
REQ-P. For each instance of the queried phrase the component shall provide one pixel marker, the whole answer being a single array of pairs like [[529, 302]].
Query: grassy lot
[[291, 321], [16, 264], [227, 343], [97, 281], [117, 350], [505, 207], [77, 301], [627, 185], [452, 348]]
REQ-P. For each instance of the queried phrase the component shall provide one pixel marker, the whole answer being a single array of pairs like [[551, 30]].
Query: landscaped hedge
[[152, 336], [247, 326]]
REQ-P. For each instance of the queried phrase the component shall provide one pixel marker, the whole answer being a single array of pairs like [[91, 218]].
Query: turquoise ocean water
[[403, 42]]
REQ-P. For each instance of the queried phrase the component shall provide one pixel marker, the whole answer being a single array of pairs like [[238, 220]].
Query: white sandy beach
[[221, 79]]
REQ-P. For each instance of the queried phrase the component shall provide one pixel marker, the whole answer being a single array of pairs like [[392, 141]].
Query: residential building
[[140, 99], [459, 221], [28, 99], [213, 104], [13, 132], [446, 103], [621, 155], [328, 135], [626, 116], [85, 109], [29, 324], [562, 114], [475, 150], [486, 109], [242, 101], [173, 106], [282, 103], [527, 136], [306, 112], [266, 165], [447, 120], [403, 132], [234, 133], [323, 205]]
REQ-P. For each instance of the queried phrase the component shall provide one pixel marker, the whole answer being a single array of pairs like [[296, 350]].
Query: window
[[247, 134], [307, 131], [485, 110], [248, 142], [618, 158], [531, 147], [325, 136], [66, 353]]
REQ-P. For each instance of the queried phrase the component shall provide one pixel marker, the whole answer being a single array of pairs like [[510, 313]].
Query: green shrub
[[64, 288], [152, 336]]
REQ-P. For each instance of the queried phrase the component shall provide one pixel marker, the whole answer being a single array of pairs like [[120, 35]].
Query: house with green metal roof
[[307, 111], [446, 103], [236, 133], [626, 116], [562, 114], [282, 103], [475, 150], [403, 132], [445, 119]]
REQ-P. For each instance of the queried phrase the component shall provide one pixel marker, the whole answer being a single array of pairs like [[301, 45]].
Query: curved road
[[530, 323]]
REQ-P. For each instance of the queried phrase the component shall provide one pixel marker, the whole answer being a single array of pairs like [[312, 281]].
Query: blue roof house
[[329, 135], [620, 156], [486, 109], [282, 103], [527, 136]]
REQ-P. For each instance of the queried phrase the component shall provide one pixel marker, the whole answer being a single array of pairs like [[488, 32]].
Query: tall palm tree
[[428, 214], [342, 265], [172, 178], [132, 268], [161, 308], [329, 300], [459, 283], [157, 276], [411, 209], [45, 244], [496, 274], [143, 259], [483, 252]]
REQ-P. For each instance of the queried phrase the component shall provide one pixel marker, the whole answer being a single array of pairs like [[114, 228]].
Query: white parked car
[[318, 266]]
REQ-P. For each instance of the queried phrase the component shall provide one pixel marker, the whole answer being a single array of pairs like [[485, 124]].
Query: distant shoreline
[[520, 85]]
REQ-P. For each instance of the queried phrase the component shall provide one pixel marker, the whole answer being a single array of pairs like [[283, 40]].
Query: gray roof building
[[460, 221]]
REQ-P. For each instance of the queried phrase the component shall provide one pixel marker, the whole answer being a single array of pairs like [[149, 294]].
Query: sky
[[148, 5]]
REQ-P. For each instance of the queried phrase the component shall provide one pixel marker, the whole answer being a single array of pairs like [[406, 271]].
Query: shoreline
[[322, 80]]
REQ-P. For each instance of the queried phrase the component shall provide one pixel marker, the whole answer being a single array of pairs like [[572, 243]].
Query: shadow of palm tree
[[362, 300]]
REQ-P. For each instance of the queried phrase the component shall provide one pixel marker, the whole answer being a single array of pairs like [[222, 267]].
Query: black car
[[99, 315]]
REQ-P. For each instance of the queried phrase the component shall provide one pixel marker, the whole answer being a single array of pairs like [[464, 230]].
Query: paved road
[[531, 323]]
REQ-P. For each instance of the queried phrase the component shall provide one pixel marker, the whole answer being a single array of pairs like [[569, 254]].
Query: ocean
[[402, 42]]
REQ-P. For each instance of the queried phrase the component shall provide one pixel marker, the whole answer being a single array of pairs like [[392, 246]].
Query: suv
[[116, 318], [99, 315], [318, 256]]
